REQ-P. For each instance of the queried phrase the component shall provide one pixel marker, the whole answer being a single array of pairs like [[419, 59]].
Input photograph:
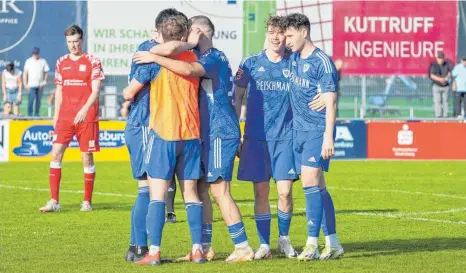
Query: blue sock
[[263, 227], [194, 214], [140, 213], [328, 217], [323, 226], [155, 221], [238, 233], [313, 210], [206, 234], [132, 237], [284, 221]]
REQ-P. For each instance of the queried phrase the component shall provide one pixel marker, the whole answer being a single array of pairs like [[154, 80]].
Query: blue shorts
[[12, 97], [307, 147], [218, 158], [136, 140], [165, 158], [262, 160]]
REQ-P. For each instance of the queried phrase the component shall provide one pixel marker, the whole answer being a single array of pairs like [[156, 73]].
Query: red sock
[[89, 177], [54, 179]]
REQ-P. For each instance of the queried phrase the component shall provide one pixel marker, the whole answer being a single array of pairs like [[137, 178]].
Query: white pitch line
[[401, 216], [391, 191], [432, 212], [401, 192], [385, 215], [68, 191]]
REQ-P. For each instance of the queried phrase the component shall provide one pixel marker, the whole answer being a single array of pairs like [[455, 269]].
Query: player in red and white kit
[[77, 76]]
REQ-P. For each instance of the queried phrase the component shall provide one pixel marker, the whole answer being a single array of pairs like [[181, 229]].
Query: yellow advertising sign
[[32, 141]]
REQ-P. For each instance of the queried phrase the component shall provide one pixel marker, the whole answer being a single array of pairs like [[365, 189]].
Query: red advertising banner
[[393, 37], [416, 140]]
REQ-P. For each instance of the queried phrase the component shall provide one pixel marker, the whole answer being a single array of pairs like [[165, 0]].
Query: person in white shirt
[[11, 87], [35, 78], [459, 76]]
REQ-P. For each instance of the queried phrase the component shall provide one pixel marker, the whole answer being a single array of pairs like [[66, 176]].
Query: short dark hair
[[276, 21], [297, 21], [10, 66], [201, 20], [167, 13], [73, 30], [463, 59], [173, 28]]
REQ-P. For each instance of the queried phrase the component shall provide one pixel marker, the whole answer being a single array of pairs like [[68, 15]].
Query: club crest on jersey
[[306, 67], [286, 73], [82, 68], [293, 63]]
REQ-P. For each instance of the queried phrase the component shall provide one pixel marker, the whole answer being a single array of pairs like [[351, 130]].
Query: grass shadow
[[400, 247], [303, 213]]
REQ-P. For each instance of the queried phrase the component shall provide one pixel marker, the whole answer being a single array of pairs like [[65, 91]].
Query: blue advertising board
[[28, 24], [350, 140]]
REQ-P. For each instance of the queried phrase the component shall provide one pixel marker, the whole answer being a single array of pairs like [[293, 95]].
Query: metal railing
[[368, 97]]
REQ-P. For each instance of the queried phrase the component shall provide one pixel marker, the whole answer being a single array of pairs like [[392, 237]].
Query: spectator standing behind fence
[[35, 78], [11, 87], [440, 73], [459, 75]]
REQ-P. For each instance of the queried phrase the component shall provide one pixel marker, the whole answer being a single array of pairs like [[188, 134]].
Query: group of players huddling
[[184, 121]]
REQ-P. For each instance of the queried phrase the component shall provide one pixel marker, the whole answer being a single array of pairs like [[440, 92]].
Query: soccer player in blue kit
[[220, 133], [136, 139], [312, 71], [136, 136], [267, 148]]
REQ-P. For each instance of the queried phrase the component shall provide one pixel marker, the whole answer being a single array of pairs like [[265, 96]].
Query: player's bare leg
[[285, 212], [194, 212], [333, 248], [54, 178], [155, 219], [232, 216], [89, 178], [310, 178], [6, 109], [16, 109], [263, 217]]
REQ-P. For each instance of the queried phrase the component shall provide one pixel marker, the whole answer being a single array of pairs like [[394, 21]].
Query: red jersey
[[76, 79]]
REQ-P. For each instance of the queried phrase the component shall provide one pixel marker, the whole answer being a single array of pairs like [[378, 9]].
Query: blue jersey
[[269, 115], [139, 109], [217, 114], [310, 75]]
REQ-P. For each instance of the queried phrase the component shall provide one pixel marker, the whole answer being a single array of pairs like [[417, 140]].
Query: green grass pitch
[[391, 217]]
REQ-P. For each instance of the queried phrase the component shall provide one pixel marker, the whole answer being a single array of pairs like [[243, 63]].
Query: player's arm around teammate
[[159, 55], [78, 76]]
